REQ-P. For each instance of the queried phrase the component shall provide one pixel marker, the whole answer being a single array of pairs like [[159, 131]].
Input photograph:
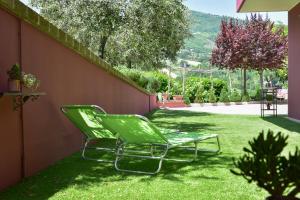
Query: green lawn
[[208, 178]]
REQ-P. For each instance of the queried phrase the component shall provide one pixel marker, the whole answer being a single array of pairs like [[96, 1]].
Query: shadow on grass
[[170, 120], [175, 114], [78, 174], [176, 171], [186, 126], [284, 123]]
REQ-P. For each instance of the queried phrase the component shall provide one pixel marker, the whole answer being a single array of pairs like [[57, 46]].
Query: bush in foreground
[[264, 164]]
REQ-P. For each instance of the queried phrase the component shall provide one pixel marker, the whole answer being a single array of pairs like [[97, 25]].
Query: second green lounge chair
[[138, 131]]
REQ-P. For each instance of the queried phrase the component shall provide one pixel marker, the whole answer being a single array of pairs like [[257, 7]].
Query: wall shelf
[[20, 98]]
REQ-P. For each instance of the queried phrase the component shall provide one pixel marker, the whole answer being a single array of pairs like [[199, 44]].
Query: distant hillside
[[204, 29]]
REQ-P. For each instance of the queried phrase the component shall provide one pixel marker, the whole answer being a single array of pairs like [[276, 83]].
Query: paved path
[[250, 109]]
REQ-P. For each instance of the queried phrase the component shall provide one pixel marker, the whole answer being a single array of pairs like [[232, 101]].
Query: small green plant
[[257, 94], [235, 96], [186, 100], [15, 72], [211, 96], [246, 98], [264, 164], [200, 94], [176, 89], [224, 96]]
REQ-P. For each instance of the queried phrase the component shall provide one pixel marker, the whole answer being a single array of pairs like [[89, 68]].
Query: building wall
[[294, 63], [239, 3], [67, 78], [10, 122]]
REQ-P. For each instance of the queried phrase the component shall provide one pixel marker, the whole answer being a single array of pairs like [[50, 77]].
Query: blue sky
[[222, 7]]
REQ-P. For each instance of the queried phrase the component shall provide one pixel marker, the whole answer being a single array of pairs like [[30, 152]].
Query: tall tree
[[155, 32], [132, 32], [92, 22], [230, 49], [267, 46], [251, 45]]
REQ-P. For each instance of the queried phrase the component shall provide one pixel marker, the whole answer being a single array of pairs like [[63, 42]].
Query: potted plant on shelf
[[30, 81], [264, 164], [14, 78]]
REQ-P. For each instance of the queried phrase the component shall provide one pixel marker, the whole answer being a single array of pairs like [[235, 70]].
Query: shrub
[[224, 96], [153, 85], [246, 98], [143, 81], [192, 84], [200, 94], [211, 96], [163, 79], [264, 164], [235, 96], [258, 94], [191, 87], [134, 75], [176, 88], [218, 84], [186, 100]]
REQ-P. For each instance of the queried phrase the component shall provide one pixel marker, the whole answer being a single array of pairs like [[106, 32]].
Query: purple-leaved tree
[[267, 45], [253, 44]]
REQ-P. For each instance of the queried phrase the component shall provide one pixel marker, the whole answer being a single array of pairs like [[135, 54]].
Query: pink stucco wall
[[10, 122], [294, 63], [66, 78]]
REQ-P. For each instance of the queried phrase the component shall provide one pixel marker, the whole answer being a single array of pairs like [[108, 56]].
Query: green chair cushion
[[132, 129], [83, 117]]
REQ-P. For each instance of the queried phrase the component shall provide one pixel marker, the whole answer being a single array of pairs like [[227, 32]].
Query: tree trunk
[[101, 51], [230, 82], [261, 77], [169, 82], [245, 83], [129, 64]]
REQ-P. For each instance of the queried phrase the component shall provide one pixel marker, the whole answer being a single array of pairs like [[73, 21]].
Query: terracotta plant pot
[[165, 97], [178, 97], [14, 85]]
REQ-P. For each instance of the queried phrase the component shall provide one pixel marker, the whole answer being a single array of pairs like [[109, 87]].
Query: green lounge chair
[[135, 130], [83, 117]]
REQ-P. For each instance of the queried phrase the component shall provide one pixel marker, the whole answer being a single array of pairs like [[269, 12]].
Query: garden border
[[229, 103]]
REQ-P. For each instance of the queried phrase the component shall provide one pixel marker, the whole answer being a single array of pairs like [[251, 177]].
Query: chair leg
[[196, 151], [218, 150], [85, 147], [219, 145], [120, 154]]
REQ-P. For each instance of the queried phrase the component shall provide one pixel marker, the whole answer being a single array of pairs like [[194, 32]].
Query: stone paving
[[248, 109]]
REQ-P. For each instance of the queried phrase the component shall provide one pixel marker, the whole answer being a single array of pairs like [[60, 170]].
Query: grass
[[206, 179]]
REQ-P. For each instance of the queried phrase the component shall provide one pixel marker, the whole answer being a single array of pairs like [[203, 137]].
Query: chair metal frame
[[86, 141], [121, 152]]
